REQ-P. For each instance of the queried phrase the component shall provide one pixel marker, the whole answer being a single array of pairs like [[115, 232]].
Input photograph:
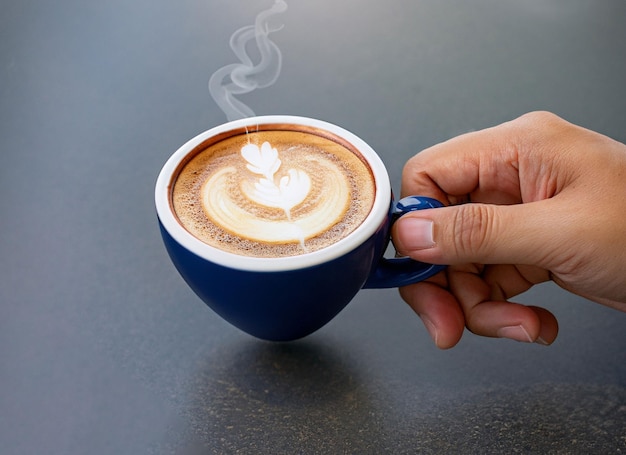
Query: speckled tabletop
[[103, 347]]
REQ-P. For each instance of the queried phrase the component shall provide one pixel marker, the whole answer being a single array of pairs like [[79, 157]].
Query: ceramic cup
[[286, 298]]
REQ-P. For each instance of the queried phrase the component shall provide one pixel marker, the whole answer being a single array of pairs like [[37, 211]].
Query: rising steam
[[243, 77]]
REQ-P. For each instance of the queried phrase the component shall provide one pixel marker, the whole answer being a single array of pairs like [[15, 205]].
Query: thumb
[[480, 233]]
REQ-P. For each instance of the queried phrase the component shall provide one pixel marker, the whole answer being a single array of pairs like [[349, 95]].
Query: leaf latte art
[[227, 198], [273, 193]]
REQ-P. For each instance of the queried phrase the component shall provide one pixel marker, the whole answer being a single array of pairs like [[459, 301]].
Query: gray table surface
[[104, 349]]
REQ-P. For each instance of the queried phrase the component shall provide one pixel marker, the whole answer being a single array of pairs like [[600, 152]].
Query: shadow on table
[[308, 397], [285, 397]]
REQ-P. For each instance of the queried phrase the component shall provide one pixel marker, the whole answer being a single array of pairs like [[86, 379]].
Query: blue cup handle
[[397, 272]]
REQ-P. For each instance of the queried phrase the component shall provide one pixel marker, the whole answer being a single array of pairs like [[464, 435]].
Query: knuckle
[[472, 230], [540, 118]]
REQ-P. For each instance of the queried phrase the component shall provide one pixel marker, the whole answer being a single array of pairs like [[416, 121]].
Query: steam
[[240, 78]]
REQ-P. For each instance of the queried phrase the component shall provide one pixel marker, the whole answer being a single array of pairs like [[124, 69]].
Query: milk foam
[[285, 194], [273, 194], [227, 211]]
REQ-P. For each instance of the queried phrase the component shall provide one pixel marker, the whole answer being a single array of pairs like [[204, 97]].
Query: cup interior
[[171, 169]]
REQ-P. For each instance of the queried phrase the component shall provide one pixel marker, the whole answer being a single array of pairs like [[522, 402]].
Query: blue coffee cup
[[287, 298]]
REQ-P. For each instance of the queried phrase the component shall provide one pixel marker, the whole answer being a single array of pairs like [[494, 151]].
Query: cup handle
[[397, 272]]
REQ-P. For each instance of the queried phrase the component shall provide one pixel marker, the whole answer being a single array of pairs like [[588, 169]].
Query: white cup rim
[[370, 225]]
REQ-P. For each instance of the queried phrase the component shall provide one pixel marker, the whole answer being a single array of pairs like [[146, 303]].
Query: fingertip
[[439, 311], [549, 326], [413, 233], [503, 319], [528, 324]]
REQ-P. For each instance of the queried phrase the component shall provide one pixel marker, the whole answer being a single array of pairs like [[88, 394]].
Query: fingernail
[[516, 332], [542, 342], [416, 233], [432, 329]]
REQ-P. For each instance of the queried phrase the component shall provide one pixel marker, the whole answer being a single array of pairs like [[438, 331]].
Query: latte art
[[273, 193], [291, 189], [232, 210]]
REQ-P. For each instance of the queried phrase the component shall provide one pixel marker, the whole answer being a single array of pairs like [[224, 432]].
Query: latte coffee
[[274, 191]]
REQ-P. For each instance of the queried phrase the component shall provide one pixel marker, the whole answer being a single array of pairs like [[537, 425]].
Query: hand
[[532, 200]]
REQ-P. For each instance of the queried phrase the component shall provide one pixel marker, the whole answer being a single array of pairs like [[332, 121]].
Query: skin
[[530, 200]]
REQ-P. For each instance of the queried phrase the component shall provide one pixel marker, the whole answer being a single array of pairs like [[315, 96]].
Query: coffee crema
[[273, 193]]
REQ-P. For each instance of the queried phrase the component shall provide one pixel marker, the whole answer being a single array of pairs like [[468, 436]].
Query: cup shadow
[[279, 397]]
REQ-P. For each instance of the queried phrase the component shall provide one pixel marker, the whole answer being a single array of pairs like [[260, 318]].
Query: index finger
[[481, 166]]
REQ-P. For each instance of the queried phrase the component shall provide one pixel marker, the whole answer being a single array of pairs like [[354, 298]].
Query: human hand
[[532, 200]]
